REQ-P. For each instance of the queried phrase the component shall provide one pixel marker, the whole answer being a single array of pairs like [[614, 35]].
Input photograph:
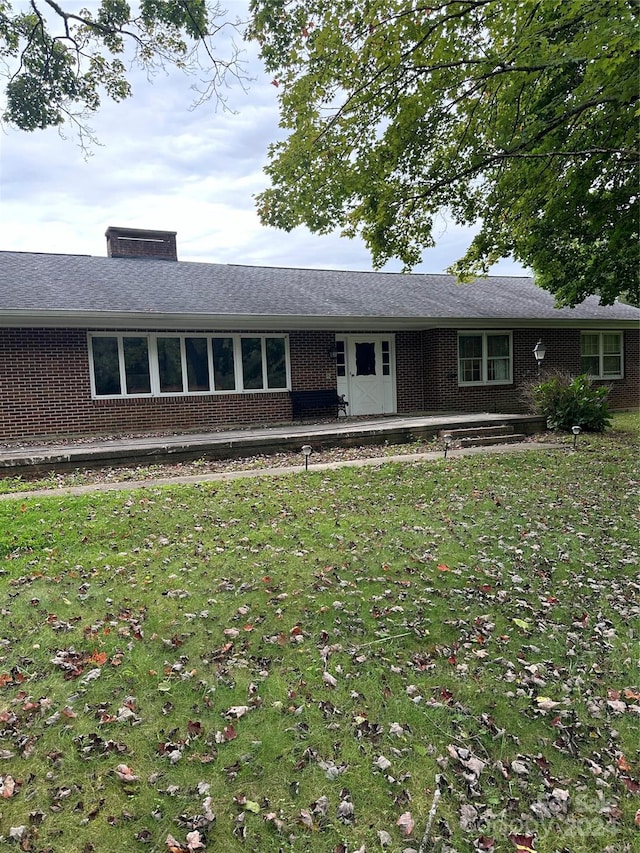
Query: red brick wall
[[45, 390], [312, 368], [411, 377], [626, 394], [442, 392]]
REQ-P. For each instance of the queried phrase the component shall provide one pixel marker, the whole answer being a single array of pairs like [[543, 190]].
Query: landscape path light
[[306, 450], [447, 438], [576, 430]]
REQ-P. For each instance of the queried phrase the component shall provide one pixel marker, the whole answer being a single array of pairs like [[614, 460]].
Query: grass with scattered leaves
[[437, 656], [203, 467]]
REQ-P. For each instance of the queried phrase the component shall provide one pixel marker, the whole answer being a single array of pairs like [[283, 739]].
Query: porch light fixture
[[447, 438], [576, 430], [332, 352], [306, 450], [539, 352]]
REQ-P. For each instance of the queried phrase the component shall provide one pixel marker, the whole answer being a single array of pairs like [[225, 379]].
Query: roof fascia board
[[128, 320]]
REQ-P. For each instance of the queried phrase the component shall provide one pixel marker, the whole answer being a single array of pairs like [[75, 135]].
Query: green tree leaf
[[518, 115], [59, 63]]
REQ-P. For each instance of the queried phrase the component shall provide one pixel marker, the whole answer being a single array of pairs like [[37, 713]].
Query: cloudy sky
[[163, 165]]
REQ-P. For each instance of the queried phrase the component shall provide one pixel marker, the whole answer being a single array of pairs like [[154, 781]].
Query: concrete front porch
[[30, 457]]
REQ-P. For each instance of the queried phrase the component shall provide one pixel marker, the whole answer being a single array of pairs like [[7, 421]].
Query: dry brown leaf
[[406, 823]]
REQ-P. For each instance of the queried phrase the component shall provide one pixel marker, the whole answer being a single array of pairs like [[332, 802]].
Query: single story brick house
[[138, 341]]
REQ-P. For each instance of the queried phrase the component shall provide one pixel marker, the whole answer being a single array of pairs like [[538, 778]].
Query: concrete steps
[[483, 436]]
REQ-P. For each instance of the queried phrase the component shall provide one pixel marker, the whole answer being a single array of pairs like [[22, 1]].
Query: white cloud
[[163, 165]]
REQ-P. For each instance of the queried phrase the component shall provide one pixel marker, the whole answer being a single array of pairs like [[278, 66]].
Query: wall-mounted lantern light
[[447, 438], [306, 450], [576, 430], [332, 352], [539, 352]]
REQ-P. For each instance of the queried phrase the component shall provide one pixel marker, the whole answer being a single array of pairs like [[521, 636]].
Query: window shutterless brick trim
[[45, 388]]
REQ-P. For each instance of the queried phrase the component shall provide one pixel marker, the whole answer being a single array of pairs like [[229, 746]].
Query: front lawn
[[436, 656]]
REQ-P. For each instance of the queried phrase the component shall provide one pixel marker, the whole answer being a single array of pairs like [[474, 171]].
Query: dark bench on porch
[[316, 400]]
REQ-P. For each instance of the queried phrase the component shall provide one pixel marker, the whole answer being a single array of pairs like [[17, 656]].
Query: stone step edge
[[471, 432]]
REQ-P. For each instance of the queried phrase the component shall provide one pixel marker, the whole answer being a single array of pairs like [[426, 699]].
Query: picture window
[[157, 365]]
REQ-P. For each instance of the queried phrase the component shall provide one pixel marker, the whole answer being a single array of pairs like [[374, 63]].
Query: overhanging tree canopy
[[59, 60], [515, 114]]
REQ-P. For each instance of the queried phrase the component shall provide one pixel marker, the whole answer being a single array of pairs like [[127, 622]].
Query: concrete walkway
[[28, 457]]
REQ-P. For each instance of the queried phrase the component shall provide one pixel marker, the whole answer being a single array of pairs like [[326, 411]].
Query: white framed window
[[601, 354], [162, 364], [485, 358]]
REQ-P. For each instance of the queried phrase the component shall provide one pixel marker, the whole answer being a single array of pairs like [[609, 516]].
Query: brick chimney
[[141, 243]]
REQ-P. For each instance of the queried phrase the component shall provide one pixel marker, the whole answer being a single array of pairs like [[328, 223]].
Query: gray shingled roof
[[78, 290]]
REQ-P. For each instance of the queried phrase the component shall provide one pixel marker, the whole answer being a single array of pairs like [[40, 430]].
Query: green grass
[[472, 621]]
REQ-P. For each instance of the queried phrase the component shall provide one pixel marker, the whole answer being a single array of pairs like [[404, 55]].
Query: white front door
[[368, 380]]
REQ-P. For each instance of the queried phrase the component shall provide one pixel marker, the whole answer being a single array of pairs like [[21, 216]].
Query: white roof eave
[[20, 318]]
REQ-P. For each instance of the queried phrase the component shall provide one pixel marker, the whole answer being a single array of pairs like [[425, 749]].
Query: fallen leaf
[[237, 711], [545, 703], [623, 764], [125, 774], [194, 728], [17, 832], [207, 811], [173, 845], [7, 787], [194, 841], [384, 838], [406, 823], [305, 818], [523, 843], [329, 680], [345, 811], [382, 763], [468, 817], [321, 806]]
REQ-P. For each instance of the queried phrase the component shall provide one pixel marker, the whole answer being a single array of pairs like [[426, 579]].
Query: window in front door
[[365, 358]]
